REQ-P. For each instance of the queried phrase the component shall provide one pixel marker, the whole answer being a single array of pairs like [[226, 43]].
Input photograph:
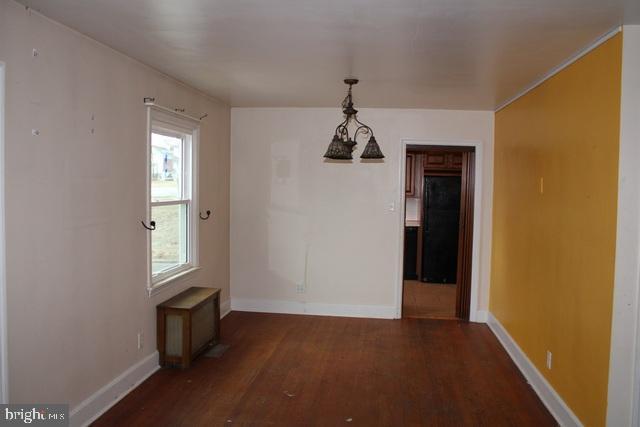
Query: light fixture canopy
[[342, 144]]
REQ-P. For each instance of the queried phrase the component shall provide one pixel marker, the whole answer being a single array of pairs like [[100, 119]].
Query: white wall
[[328, 228], [76, 252], [623, 365]]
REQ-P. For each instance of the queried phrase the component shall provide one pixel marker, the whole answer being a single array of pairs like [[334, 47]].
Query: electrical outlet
[[300, 288], [140, 340], [549, 359]]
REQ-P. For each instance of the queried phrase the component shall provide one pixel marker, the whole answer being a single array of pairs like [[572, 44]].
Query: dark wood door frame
[[465, 236]]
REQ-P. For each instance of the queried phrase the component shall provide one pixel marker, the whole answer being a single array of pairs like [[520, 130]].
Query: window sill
[[163, 284]]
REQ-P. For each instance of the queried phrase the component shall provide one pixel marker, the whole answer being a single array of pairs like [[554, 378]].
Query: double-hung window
[[173, 142]]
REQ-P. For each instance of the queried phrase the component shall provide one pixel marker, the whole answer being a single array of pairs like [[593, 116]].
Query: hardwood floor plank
[[289, 370], [428, 300]]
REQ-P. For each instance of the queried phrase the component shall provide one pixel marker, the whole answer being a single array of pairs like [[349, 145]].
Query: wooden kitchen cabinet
[[410, 169], [435, 160], [438, 161], [413, 175]]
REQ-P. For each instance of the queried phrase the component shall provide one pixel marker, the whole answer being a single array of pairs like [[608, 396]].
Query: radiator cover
[[188, 324]]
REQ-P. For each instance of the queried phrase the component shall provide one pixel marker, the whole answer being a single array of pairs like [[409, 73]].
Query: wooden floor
[[286, 370], [428, 300]]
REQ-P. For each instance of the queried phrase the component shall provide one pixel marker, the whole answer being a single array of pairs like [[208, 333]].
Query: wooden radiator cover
[[188, 324]]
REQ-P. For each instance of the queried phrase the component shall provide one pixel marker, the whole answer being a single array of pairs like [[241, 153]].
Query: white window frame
[[166, 122]]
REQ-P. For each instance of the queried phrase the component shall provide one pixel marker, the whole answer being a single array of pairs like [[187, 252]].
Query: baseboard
[[225, 308], [551, 399], [100, 401], [481, 316], [296, 307]]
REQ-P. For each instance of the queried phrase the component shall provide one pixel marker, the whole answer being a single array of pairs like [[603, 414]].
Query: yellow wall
[[553, 252]]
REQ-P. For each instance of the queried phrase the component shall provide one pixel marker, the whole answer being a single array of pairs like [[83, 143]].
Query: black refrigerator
[[440, 228]]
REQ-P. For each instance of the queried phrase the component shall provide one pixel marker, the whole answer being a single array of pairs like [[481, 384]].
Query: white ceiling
[[454, 54]]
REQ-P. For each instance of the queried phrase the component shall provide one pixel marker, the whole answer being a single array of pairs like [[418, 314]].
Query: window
[[172, 196]]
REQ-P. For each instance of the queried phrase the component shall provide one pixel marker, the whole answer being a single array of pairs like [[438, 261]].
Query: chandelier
[[342, 145]]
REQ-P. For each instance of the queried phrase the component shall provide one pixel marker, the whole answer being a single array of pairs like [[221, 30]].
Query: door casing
[[474, 315]]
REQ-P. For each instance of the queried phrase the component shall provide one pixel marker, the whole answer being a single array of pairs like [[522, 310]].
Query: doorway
[[438, 231]]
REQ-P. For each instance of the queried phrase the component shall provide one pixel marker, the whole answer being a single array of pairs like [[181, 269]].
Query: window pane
[[169, 239], [166, 168]]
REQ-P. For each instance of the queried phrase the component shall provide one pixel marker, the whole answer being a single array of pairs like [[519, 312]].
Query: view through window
[[170, 202]]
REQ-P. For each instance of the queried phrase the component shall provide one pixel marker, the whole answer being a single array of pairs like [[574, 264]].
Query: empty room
[[320, 213]]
